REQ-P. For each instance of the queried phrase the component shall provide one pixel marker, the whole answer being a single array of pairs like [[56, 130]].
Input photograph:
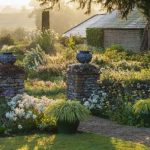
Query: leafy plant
[[71, 43], [142, 111], [69, 111], [97, 103], [34, 58], [46, 40], [122, 113], [115, 47], [77, 40], [2, 128]]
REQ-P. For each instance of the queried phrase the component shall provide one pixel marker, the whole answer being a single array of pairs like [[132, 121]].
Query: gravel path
[[109, 128]]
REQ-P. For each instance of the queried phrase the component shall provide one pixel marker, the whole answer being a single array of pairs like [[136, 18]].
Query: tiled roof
[[80, 29], [113, 20], [135, 20]]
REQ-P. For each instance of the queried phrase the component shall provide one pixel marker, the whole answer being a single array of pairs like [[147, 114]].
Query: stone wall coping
[[11, 70], [83, 69]]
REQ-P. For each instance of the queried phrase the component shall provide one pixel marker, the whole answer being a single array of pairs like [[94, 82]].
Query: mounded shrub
[[6, 40]]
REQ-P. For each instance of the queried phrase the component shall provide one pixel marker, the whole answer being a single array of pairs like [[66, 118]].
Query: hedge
[[95, 37]]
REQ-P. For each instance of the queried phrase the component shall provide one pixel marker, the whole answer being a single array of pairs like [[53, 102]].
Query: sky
[[14, 3]]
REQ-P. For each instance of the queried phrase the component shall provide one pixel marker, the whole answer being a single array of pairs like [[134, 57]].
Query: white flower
[[99, 106], [34, 116], [104, 94], [14, 118], [27, 116], [21, 105], [10, 115], [19, 127], [91, 106], [87, 104], [19, 112], [94, 100]]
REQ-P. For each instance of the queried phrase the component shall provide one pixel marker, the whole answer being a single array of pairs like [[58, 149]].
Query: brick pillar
[[11, 80], [81, 80]]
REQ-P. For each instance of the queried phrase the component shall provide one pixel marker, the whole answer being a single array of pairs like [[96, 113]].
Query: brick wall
[[128, 38], [81, 80], [11, 81]]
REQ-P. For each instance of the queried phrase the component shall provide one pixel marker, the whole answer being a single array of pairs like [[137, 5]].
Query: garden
[[43, 118]]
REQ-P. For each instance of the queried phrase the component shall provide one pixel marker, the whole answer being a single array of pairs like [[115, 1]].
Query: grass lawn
[[82, 141]]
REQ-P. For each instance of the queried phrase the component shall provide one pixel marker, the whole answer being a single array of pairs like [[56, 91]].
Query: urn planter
[[67, 127], [7, 58], [84, 56]]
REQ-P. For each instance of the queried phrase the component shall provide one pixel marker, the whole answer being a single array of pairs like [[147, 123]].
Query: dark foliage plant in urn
[[84, 56], [7, 58]]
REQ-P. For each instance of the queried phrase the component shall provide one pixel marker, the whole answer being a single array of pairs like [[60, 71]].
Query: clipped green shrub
[[95, 37], [142, 112]]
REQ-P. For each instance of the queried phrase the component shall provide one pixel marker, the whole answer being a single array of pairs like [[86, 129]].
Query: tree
[[123, 6]]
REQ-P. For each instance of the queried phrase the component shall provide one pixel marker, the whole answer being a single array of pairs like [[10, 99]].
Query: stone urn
[[7, 58], [84, 56]]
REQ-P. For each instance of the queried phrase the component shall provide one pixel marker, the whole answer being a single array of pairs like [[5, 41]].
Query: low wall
[[11, 80], [81, 80]]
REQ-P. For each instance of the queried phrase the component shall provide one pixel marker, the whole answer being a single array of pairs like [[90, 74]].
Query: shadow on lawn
[[81, 141]]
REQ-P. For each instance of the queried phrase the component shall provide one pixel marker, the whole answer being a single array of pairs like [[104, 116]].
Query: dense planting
[[124, 81]]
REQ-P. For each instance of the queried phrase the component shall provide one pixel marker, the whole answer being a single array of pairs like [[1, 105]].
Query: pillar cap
[[11, 70], [83, 69]]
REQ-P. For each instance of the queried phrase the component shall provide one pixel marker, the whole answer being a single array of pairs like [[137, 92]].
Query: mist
[[60, 19]]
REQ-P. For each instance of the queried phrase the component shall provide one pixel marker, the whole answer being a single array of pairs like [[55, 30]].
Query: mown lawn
[[81, 141]]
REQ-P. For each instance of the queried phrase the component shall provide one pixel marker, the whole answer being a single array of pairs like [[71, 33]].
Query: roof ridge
[[83, 22]]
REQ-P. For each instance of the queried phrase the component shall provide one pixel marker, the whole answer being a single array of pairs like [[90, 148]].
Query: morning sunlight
[[74, 75]]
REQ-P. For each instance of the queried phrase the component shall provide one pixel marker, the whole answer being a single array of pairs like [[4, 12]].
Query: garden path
[[110, 128]]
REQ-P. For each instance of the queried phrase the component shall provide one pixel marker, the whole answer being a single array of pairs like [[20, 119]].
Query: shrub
[[3, 110], [115, 47], [34, 58], [2, 128], [71, 43], [142, 112], [45, 40], [95, 37], [64, 40], [19, 34], [6, 40], [97, 103], [27, 113], [122, 112]]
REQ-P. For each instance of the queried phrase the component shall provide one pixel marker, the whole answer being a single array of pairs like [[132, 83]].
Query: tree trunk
[[144, 44], [149, 32], [45, 20]]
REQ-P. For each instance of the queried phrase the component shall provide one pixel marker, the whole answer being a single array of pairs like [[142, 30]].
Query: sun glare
[[14, 3]]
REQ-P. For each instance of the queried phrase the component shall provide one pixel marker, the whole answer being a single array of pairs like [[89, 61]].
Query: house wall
[[128, 38]]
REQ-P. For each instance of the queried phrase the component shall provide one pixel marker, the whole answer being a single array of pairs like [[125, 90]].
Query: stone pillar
[[11, 80], [81, 80]]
